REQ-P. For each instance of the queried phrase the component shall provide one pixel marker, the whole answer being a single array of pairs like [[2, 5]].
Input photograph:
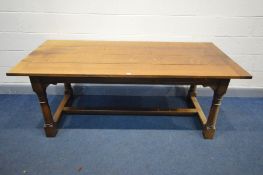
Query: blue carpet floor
[[133, 145]]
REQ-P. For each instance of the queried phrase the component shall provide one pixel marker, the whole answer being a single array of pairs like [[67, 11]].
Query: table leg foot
[[50, 130], [208, 133]]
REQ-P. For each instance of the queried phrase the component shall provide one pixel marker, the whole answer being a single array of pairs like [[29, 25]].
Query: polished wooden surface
[[128, 59]]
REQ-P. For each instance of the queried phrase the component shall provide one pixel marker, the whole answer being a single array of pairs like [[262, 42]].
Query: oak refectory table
[[123, 62]]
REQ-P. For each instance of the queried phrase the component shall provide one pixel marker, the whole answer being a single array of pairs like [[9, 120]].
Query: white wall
[[235, 26]]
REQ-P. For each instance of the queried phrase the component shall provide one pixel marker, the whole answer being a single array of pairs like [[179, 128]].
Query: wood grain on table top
[[68, 58]]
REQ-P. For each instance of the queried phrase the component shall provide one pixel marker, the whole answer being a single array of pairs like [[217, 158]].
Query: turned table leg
[[40, 89], [191, 91], [210, 126], [68, 88], [68, 91]]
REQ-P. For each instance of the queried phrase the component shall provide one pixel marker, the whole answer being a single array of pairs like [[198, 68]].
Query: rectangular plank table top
[[68, 58]]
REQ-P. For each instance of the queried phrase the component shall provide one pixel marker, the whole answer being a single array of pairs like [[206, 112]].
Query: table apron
[[130, 80]]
